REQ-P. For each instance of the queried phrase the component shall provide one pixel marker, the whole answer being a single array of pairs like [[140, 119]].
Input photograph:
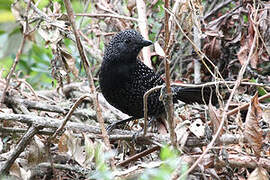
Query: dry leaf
[[243, 54], [253, 132], [70, 62], [215, 118], [15, 170], [62, 143], [246, 43], [213, 48], [37, 152], [75, 149]]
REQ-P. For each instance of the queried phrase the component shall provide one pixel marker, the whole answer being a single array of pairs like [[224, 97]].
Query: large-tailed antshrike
[[124, 78]]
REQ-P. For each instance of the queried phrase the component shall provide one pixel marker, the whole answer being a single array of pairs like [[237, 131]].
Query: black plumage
[[124, 78]]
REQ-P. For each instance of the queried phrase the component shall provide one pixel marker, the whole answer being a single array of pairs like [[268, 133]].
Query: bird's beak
[[146, 43]]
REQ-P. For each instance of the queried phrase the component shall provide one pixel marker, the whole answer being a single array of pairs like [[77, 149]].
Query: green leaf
[[2, 32]]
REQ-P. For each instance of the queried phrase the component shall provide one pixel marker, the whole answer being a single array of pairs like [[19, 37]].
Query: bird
[[124, 79]]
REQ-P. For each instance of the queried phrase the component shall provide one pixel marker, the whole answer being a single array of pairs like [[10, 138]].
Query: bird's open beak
[[146, 43]]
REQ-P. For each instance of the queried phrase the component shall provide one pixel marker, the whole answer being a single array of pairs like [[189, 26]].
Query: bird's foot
[[114, 125]]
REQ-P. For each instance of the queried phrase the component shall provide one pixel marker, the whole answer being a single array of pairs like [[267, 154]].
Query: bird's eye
[[127, 41]]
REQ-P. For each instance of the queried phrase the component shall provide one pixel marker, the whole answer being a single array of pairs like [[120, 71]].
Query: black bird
[[124, 79]]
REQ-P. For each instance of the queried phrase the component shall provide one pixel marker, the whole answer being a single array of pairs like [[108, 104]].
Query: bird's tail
[[201, 95]]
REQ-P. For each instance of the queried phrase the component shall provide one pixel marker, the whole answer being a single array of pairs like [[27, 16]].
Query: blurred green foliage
[[34, 63], [169, 162]]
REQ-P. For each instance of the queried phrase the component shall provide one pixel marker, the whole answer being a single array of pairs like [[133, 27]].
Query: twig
[[89, 75], [224, 114], [196, 48], [107, 15], [245, 106], [41, 13], [168, 100], [217, 8], [29, 86], [139, 155], [220, 82], [168, 104], [49, 122], [167, 30], [197, 41], [145, 96], [73, 168], [6, 130], [86, 5], [16, 61], [16, 104], [19, 148], [64, 122]]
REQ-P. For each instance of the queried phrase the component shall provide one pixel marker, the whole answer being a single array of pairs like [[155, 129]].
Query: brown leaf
[[70, 62], [246, 43], [75, 150], [213, 48], [215, 118], [62, 144], [243, 54], [253, 132], [254, 59], [37, 152]]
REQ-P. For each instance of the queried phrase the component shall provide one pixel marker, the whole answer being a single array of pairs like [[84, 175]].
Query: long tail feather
[[201, 95]]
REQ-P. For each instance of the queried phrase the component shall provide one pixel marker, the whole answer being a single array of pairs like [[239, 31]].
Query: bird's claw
[[111, 127]]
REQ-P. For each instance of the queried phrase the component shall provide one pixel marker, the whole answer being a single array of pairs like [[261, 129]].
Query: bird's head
[[126, 45]]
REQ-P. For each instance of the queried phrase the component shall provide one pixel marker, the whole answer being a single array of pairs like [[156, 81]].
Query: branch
[[89, 75], [16, 61], [19, 148]]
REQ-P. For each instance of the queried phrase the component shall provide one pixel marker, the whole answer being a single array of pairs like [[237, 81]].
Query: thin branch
[[49, 122], [224, 114], [139, 155], [16, 61], [89, 75], [64, 122], [196, 48], [245, 106], [20, 147], [107, 15], [145, 107], [217, 8], [86, 5]]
